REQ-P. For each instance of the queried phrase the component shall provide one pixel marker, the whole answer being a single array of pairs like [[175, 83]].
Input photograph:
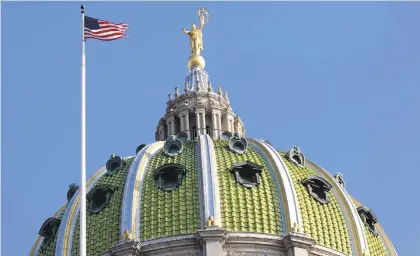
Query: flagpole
[[83, 150]]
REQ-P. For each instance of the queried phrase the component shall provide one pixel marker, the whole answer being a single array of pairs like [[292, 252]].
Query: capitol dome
[[205, 188]]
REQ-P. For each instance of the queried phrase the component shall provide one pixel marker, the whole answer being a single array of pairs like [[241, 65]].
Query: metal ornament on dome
[[196, 39]]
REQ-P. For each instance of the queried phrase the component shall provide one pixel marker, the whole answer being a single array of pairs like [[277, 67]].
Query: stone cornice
[[125, 247], [190, 244], [320, 250], [298, 240], [211, 234]]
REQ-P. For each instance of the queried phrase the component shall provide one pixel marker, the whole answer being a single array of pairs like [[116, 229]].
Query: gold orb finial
[[211, 222], [196, 60]]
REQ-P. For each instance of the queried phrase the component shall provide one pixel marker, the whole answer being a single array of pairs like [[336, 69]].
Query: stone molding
[[211, 234], [125, 248], [298, 240], [320, 250], [213, 241]]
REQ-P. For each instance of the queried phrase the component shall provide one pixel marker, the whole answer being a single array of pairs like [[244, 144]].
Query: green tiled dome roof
[[262, 209]]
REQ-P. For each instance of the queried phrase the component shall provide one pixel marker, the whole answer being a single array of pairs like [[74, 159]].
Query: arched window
[[99, 197], [318, 188], [247, 173], [369, 218], [169, 176]]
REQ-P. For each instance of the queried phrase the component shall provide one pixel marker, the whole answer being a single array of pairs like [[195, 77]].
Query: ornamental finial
[[196, 39], [211, 222], [126, 235]]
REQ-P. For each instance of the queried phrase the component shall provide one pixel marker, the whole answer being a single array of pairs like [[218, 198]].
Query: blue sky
[[341, 80]]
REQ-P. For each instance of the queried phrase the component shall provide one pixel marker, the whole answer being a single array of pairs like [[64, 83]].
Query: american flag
[[103, 30]]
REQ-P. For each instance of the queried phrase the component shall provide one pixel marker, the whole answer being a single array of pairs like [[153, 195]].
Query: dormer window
[[169, 176], [99, 197], [48, 230], [114, 164], [318, 188], [247, 173], [368, 217], [296, 156]]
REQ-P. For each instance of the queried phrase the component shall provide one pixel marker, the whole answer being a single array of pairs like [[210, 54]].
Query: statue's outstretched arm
[[186, 31]]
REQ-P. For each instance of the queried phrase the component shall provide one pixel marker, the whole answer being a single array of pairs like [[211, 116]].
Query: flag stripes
[[103, 30]]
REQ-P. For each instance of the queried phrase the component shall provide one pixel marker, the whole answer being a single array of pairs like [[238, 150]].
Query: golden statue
[[126, 235], [196, 37]]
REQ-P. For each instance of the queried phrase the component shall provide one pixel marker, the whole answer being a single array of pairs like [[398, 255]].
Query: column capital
[[184, 111], [170, 117], [200, 109], [216, 110]]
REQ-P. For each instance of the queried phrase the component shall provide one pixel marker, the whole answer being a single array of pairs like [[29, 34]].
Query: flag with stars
[[103, 30]]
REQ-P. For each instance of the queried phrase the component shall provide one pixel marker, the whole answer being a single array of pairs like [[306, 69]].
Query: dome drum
[[196, 113]]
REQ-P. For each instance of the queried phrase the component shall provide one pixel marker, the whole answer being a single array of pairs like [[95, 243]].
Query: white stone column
[[217, 123], [161, 133], [187, 125], [168, 127], [232, 126], [214, 125], [203, 123], [170, 123], [172, 127], [185, 122], [182, 123], [198, 122]]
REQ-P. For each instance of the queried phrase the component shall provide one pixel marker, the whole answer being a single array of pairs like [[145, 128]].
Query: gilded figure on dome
[[195, 34]]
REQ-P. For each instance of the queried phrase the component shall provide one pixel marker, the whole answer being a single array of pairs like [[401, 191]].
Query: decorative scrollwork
[[296, 156], [174, 144], [114, 164], [237, 144]]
